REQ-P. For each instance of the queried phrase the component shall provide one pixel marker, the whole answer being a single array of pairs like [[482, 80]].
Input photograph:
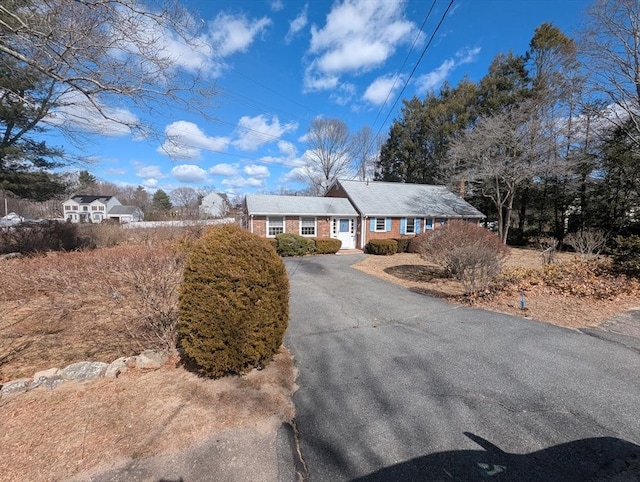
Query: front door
[[345, 230]]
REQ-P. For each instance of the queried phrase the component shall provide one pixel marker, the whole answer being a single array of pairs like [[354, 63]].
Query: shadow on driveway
[[591, 459]]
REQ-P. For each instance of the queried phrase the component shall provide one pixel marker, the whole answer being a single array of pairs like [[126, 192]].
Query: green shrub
[[274, 243], [233, 302], [327, 245], [383, 247], [471, 253], [625, 255], [403, 244], [290, 244]]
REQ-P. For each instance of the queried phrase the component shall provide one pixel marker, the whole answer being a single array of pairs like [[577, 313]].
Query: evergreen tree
[[161, 201]]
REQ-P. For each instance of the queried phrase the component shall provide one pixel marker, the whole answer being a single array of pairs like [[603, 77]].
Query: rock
[[116, 368], [11, 256], [47, 382], [130, 362], [16, 386], [150, 359], [83, 371], [51, 372]]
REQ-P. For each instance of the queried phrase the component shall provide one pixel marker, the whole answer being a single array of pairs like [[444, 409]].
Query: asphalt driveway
[[394, 385]]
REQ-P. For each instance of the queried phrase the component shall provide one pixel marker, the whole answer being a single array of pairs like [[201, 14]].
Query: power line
[[424, 51]]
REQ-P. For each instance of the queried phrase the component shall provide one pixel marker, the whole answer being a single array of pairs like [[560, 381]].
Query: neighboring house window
[[75, 208], [411, 226], [101, 208], [428, 223], [67, 208], [442, 221], [275, 225], [94, 208], [97, 217], [308, 226], [85, 208]]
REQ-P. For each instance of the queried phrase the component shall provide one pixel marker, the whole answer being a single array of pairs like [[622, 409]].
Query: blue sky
[[280, 63]]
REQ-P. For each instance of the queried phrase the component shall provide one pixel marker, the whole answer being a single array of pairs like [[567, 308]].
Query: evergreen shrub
[[327, 245], [384, 247], [290, 244], [233, 302], [625, 255], [403, 244]]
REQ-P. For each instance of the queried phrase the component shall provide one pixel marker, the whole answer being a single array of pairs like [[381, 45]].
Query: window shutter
[[403, 226], [372, 224], [418, 222], [387, 224]]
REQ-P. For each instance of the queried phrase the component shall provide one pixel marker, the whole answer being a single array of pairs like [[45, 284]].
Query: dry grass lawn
[[413, 272], [95, 305]]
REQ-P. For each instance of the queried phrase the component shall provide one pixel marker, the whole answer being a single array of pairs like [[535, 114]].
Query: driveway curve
[[394, 385]]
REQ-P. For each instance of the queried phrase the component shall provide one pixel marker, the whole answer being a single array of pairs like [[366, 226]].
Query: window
[[428, 223], [101, 208], [442, 221], [67, 208], [75, 208], [97, 217], [308, 226], [85, 208], [411, 226], [381, 224], [275, 225], [94, 208]]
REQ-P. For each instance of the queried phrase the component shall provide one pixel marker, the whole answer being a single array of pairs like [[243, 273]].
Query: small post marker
[[522, 302]]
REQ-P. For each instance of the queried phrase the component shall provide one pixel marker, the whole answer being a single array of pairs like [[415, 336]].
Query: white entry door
[[344, 229]]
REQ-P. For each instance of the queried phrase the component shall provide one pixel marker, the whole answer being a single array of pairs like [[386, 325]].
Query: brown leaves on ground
[[570, 292], [51, 435]]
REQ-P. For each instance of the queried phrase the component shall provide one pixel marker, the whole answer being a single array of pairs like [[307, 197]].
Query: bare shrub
[[470, 253], [547, 246], [38, 237], [148, 280], [587, 242]]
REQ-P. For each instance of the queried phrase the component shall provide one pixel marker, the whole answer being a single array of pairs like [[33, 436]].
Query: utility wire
[[424, 51]]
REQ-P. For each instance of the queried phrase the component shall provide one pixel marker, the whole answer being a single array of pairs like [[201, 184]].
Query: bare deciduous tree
[[328, 154], [610, 48], [96, 58], [186, 200], [365, 150], [497, 156]]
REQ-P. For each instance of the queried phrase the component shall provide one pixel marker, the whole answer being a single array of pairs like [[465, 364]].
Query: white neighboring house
[[214, 205], [95, 209]]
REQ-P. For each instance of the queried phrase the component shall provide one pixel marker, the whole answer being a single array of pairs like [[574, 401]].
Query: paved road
[[399, 386]]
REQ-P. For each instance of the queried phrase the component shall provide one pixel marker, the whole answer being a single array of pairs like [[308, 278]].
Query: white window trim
[[283, 225], [406, 226], [315, 226], [433, 224], [375, 225]]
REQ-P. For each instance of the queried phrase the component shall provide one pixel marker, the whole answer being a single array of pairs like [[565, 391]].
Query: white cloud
[[259, 172], [223, 169], [435, 78], [242, 182], [185, 140], [150, 183], [287, 148], [148, 172], [383, 88], [253, 132], [189, 173], [297, 24], [277, 5], [343, 94], [234, 33], [76, 110], [358, 36]]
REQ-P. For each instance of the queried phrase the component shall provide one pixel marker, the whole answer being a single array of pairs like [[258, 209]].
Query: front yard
[[542, 303]]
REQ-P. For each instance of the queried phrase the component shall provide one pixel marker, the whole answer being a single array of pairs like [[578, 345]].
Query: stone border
[[86, 371]]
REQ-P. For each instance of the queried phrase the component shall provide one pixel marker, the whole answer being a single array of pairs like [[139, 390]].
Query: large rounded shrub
[[234, 302]]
